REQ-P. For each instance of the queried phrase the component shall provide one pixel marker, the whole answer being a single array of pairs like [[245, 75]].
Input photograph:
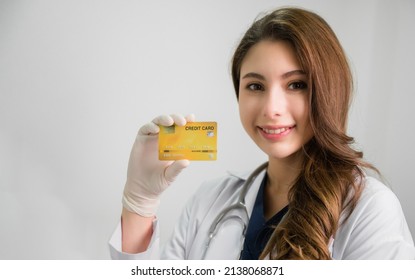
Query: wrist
[[144, 207]]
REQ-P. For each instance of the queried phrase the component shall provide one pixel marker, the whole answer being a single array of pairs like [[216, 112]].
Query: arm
[[136, 232], [147, 178]]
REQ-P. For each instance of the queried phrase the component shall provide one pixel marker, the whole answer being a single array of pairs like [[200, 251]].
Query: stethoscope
[[239, 206]]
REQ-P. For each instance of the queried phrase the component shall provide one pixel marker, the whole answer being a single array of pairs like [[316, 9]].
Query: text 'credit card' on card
[[194, 141]]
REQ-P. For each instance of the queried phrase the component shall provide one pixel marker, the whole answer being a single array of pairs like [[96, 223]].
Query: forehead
[[270, 56]]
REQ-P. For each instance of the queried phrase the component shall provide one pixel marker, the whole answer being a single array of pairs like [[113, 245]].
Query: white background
[[78, 78]]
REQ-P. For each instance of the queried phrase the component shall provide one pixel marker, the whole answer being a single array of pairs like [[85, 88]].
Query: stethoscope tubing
[[240, 204]]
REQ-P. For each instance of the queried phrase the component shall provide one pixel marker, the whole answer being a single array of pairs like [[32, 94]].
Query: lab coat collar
[[243, 175], [253, 189]]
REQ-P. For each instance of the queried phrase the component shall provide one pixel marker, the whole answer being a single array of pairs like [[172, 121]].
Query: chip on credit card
[[194, 141]]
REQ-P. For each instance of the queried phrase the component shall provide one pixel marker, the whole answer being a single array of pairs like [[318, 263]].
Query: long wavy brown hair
[[330, 181]]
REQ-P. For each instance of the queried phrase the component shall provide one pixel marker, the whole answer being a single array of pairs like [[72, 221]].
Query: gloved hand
[[147, 176]]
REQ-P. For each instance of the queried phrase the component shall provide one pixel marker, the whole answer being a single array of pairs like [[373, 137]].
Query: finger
[[149, 129], [178, 119], [164, 120], [190, 118], [174, 169]]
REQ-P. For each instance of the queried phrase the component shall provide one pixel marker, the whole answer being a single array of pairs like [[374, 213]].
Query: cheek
[[300, 110], [242, 112], [303, 117], [245, 113]]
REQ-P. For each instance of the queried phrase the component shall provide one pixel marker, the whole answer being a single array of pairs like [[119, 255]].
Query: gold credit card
[[194, 141]]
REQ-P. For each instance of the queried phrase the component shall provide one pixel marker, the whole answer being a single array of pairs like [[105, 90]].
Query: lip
[[271, 132]]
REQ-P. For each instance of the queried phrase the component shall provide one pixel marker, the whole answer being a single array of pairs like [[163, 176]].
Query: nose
[[275, 103]]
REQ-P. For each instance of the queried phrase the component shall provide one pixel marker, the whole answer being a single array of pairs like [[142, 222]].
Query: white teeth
[[275, 131]]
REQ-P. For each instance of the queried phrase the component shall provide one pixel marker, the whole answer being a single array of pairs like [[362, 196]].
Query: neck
[[283, 172]]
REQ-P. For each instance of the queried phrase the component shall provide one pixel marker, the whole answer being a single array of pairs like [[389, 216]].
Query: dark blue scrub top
[[259, 231]]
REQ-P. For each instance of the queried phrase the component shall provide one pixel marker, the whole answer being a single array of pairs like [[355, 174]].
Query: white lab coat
[[376, 229]]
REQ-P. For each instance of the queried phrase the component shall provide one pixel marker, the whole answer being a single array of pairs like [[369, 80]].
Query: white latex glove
[[147, 176]]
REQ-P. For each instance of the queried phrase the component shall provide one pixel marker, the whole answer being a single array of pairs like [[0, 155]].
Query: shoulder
[[377, 204], [376, 228], [378, 198], [225, 184]]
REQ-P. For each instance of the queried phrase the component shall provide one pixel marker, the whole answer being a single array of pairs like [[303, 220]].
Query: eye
[[255, 87], [298, 85]]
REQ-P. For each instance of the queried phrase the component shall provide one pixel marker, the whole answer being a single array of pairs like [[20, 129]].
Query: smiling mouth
[[276, 131]]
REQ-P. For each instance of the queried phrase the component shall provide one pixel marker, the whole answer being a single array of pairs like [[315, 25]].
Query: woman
[[313, 199]]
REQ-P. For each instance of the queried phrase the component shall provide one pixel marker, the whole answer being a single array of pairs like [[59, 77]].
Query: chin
[[282, 154]]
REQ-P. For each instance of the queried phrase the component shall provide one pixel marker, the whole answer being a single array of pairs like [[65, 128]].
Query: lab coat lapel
[[253, 191]]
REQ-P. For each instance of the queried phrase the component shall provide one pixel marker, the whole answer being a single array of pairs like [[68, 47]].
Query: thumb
[[174, 169]]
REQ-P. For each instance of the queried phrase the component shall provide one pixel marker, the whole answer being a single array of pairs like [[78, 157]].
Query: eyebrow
[[284, 76]]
